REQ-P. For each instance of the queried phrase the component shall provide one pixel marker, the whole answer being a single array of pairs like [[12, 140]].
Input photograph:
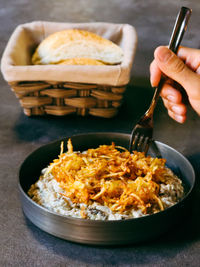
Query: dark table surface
[[22, 243]]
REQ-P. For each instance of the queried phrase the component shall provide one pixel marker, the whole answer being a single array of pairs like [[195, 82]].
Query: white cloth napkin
[[16, 59]]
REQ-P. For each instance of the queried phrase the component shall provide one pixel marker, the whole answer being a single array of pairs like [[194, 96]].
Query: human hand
[[185, 70]]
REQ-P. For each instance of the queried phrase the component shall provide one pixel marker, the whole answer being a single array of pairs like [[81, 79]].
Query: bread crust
[[80, 61]]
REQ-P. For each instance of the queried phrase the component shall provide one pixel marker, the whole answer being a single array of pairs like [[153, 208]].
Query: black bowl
[[95, 231]]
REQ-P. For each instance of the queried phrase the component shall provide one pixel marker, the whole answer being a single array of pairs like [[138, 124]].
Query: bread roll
[[74, 43]]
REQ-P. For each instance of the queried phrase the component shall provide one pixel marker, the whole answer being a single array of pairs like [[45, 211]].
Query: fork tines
[[141, 143], [140, 139]]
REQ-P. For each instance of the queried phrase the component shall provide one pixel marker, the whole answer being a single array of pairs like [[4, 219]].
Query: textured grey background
[[23, 244]]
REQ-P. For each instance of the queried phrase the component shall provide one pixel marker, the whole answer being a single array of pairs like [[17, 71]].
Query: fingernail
[[179, 118], [164, 54], [152, 82], [176, 109], [171, 98]]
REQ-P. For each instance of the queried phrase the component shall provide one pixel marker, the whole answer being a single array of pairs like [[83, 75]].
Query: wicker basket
[[62, 98], [98, 92]]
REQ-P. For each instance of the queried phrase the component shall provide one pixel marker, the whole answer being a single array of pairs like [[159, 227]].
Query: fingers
[[155, 74], [191, 57], [185, 70], [174, 67], [172, 100], [171, 94], [176, 117], [177, 112]]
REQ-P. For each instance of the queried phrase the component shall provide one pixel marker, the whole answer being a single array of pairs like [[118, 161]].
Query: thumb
[[173, 67]]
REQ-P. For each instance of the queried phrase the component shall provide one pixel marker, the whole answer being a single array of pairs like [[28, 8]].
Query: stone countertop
[[22, 243]]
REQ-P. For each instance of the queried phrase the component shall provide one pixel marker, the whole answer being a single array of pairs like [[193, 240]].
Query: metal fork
[[142, 133]]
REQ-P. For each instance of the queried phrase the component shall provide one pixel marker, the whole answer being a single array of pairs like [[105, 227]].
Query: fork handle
[[175, 40], [179, 28]]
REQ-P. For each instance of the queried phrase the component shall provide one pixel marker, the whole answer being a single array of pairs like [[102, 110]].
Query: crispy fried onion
[[110, 176]]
